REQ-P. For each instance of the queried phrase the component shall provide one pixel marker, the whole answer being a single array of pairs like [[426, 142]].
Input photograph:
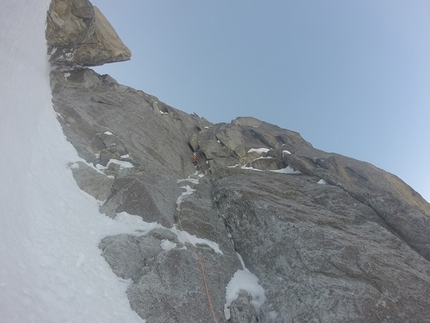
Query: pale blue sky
[[352, 77]]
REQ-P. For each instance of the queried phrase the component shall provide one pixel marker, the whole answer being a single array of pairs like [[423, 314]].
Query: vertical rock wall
[[330, 238]]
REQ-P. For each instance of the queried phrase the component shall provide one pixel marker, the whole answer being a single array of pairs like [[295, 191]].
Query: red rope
[[201, 268]]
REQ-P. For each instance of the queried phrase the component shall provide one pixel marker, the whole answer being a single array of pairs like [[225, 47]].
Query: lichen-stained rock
[[78, 34]]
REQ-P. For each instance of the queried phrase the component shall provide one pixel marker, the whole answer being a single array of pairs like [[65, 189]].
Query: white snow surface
[[188, 191], [243, 279], [268, 157], [286, 170], [133, 224], [185, 237], [51, 268], [258, 150], [122, 164], [167, 245], [191, 180], [252, 168]]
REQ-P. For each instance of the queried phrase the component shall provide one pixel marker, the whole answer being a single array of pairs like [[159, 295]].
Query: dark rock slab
[[321, 254], [242, 310], [404, 211]]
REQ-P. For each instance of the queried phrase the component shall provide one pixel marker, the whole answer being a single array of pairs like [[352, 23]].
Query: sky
[[352, 77]]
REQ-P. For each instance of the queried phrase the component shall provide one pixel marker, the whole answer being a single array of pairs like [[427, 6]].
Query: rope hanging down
[[201, 267]]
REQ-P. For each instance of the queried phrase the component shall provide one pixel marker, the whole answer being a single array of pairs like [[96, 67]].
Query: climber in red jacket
[[195, 160]]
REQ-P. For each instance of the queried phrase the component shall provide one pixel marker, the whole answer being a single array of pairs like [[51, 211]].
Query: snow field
[[51, 269]]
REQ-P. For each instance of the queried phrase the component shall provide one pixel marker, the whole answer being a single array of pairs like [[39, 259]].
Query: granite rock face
[[242, 309], [403, 210], [322, 255], [330, 238], [323, 252], [78, 34]]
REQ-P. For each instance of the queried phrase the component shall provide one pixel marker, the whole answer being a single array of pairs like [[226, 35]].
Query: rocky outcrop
[[144, 145], [165, 268], [78, 34], [322, 255], [323, 252], [404, 211], [232, 144], [242, 309], [123, 134], [330, 238]]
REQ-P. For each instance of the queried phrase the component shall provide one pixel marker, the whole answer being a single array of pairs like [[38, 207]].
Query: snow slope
[[51, 269]]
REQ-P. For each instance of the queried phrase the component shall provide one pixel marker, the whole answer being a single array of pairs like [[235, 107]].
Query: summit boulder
[[78, 34]]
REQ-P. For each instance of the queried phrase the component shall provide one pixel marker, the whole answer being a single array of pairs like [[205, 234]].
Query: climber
[[195, 160]]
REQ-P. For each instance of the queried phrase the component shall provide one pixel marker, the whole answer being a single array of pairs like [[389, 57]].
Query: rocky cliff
[[330, 238]]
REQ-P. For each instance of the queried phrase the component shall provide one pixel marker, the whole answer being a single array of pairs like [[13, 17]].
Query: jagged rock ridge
[[355, 249]]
